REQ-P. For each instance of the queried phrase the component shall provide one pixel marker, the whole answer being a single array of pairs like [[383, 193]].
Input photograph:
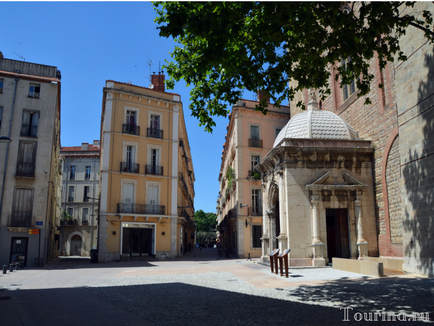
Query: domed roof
[[316, 124]]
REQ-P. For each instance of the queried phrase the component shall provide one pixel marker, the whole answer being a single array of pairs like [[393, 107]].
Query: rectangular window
[[72, 173], [70, 211], [85, 214], [22, 208], [348, 89], [256, 236], [1, 116], [131, 117], [1, 86], [71, 194], [86, 193], [26, 159], [278, 131], [29, 127], [256, 202], [254, 132], [87, 174], [34, 90], [255, 160], [155, 122]]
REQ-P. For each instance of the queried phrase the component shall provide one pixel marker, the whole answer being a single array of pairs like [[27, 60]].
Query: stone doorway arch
[[74, 244]]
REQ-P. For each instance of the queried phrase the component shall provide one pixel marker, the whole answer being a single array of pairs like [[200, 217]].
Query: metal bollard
[[11, 267], [5, 268], [16, 266]]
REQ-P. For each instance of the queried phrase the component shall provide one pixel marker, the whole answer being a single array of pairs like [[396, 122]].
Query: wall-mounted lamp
[[241, 205], [247, 223], [53, 82], [4, 139]]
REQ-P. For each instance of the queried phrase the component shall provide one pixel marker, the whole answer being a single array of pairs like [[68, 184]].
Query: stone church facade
[[399, 125]]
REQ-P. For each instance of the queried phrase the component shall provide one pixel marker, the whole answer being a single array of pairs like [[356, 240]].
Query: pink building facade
[[250, 136]]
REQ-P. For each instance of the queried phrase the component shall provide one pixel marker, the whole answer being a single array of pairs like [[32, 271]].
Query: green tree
[[226, 47], [205, 222]]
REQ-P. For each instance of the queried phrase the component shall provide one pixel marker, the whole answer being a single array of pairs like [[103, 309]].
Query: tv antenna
[[150, 67], [20, 56], [151, 86]]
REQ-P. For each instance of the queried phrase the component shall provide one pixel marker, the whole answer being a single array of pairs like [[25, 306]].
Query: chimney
[[262, 95], [96, 143], [1, 55], [84, 146], [158, 81]]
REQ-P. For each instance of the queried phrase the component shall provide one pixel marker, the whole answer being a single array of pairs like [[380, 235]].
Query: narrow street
[[198, 289]]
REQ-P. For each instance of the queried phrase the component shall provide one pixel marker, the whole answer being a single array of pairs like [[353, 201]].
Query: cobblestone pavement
[[199, 290]]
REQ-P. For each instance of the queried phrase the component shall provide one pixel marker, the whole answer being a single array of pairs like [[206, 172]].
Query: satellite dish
[[151, 86]]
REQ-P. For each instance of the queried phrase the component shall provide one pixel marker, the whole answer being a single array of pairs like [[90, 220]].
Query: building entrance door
[[75, 248], [338, 242], [136, 242], [19, 250]]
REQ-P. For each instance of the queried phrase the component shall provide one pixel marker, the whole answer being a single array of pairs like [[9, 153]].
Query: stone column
[[362, 244], [265, 226], [282, 238], [317, 244]]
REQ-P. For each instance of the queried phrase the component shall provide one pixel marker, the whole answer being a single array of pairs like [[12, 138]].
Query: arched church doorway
[[338, 241]]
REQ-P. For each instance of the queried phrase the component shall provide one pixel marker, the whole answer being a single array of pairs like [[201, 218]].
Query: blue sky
[[90, 42]]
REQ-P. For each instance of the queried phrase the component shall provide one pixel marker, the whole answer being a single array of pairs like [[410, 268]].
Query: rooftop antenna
[[151, 86], [20, 56]]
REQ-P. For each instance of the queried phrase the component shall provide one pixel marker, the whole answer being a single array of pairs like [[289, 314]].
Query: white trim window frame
[[151, 113], [129, 108]]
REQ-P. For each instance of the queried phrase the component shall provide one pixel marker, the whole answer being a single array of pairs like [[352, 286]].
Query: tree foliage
[[205, 222], [227, 47]]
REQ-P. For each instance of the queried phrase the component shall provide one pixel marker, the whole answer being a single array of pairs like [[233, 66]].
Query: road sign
[[39, 223], [33, 231]]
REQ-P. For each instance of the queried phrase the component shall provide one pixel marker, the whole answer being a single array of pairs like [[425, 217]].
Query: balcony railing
[[34, 94], [255, 211], [28, 130], [185, 215], [155, 133], [255, 143], [154, 169], [130, 167], [255, 175], [21, 219], [25, 169], [130, 129], [184, 185], [142, 209]]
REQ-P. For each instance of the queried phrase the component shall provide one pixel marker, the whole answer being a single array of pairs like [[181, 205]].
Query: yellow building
[[147, 177]]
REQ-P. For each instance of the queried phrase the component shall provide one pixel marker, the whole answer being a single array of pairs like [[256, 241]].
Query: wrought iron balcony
[[141, 209], [21, 219], [255, 143], [28, 130], [25, 169], [255, 211], [154, 169], [130, 167], [155, 133], [185, 215], [129, 128]]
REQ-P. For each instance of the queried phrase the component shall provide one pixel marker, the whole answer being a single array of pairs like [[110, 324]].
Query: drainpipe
[[8, 144]]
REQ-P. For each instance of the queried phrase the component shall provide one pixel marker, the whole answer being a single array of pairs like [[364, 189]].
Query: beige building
[[147, 176], [80, 188], [30, 171], [250, 136]]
